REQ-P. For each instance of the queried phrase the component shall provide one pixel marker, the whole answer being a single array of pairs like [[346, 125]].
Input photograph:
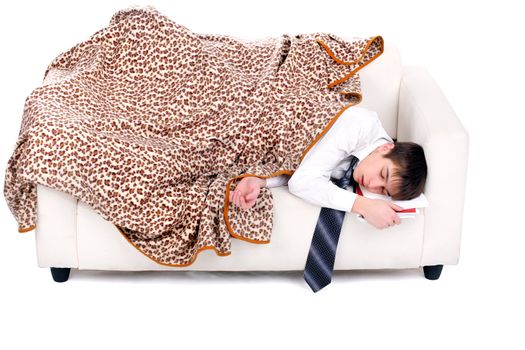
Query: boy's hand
[[247, 190], [379, 213]]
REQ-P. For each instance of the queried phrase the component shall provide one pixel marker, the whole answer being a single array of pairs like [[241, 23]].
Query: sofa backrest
[[380, 81]]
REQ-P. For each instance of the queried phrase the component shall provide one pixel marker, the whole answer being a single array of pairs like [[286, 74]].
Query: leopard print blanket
[[153, 125]]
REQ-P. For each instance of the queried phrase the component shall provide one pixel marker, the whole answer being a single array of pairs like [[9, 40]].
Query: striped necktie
[[321, 257]]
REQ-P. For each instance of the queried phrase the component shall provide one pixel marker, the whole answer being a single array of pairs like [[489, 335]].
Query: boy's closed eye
[[385, 175]]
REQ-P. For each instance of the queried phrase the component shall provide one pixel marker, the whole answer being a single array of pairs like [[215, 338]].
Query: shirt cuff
[[276, 181]]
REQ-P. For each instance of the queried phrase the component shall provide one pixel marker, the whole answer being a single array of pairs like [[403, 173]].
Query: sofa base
[[61, 274]]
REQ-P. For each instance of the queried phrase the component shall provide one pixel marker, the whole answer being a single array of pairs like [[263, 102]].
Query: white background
[[475, 52]]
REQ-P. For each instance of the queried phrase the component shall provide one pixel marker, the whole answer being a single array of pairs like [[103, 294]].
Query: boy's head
[[396, 169]]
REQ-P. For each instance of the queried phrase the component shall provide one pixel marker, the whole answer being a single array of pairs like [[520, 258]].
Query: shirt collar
[[363, 153]]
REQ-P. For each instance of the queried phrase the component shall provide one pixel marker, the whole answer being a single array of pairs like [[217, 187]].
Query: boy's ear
[[386, 147]]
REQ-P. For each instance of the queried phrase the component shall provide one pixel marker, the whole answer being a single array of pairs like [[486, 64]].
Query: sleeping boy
[[395, 169]]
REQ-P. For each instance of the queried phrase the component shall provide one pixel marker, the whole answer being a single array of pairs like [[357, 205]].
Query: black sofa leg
[[60, 274], [432, 272]]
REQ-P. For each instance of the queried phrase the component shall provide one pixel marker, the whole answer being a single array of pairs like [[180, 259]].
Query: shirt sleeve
[[311, 180], [276, 181]]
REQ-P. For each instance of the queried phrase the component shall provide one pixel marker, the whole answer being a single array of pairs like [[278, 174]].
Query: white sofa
[[69, 234]]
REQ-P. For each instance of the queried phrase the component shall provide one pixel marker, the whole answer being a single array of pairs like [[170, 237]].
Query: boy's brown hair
[[411, 173]]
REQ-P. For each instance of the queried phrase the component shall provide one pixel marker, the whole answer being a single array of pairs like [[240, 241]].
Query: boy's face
[[374, 173]]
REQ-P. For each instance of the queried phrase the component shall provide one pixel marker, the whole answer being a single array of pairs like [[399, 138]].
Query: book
[[410, 207]]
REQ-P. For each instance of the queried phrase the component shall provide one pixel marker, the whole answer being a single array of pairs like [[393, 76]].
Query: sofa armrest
[[426, 117], [56, 228]]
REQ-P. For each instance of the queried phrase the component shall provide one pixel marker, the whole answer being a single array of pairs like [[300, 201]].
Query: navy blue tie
[[321, 257]]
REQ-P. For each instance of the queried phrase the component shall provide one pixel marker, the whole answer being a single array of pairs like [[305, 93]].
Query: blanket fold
[[153, 125]]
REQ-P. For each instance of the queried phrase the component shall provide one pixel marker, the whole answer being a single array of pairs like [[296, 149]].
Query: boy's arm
[[359, 204], [377, 212], [321, 191]]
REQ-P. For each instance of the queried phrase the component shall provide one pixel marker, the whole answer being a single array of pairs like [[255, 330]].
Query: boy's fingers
[[396, 207], [243, 202], [251, 196]]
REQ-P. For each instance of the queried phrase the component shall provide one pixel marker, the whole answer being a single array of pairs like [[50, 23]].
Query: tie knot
[[347, 178]]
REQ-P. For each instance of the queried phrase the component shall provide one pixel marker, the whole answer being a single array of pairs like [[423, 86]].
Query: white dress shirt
[[357, 131]]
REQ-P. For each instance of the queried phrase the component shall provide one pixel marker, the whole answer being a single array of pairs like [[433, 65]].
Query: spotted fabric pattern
[[152, 125]]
